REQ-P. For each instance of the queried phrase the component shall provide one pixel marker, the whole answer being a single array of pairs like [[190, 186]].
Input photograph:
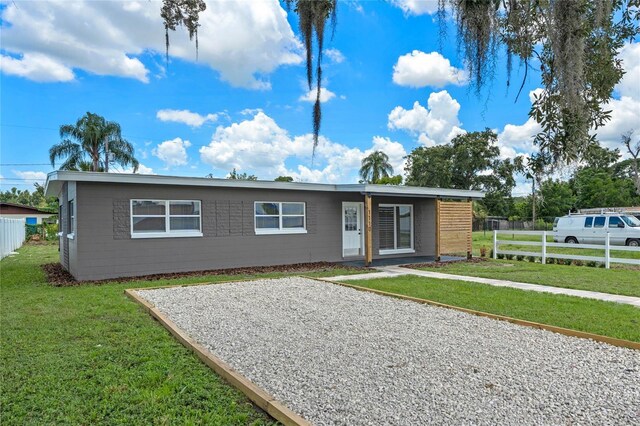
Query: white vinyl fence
[[12, 235], [543, 254]]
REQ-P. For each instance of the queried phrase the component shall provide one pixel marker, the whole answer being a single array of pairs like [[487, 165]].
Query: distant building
[[32, 215]]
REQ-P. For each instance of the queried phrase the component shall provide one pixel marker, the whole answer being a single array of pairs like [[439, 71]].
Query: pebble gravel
[[338, 356]]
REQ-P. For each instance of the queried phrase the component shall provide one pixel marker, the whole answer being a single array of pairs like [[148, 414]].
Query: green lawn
[[485, 239], [592, 316], [616, 281], [88, 354]]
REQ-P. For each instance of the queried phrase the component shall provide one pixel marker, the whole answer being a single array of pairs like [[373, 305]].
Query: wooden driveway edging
[[561, 330], [259, 396]]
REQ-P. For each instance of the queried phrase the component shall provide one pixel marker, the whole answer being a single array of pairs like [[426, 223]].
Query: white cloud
[[325, 95], [629, 86], [173, 152], [625, 116], [35, 66], [625, 110], [260, 146], [394, 150], [419, 69], [335, 55], [518, 138], [31, 177], [250, 111], [244, 41], [185, 116], [417, 7], [142, 170], [436, 124]]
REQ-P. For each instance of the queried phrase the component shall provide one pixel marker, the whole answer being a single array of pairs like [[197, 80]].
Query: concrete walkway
[[394, 271]]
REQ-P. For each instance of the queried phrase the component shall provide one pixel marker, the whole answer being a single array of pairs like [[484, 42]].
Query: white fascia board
[[56, 178]]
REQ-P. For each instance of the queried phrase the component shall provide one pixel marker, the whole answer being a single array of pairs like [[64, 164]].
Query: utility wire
[[140, 139], [24, 164], [22, 180]]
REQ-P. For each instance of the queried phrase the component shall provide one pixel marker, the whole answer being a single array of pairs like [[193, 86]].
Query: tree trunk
[[106, 154], [95, 156], [533, 207]]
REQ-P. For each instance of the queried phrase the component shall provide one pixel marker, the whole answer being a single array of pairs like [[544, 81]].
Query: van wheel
[[633, 243], [571, 240]]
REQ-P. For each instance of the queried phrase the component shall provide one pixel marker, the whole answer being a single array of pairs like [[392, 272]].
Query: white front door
[[352, 237]]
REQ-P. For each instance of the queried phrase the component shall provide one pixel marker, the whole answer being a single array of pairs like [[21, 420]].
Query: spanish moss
[[575, 43], [185, 13], [313, 16]]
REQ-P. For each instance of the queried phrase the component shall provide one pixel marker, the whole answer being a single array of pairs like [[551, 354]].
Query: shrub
[[509, 256], [30, 230], [577, 262], [550, 260], [491, 253], [51, 230], [520, 257], [500, 256], [592, 263]]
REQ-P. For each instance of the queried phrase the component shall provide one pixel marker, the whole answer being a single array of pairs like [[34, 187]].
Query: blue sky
[[241, 104]]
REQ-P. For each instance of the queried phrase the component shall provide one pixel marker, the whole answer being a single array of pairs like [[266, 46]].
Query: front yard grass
[[622, 281], [87, 355], [592, 316]]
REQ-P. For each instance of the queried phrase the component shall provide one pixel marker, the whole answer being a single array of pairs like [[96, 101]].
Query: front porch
[[404, 229]]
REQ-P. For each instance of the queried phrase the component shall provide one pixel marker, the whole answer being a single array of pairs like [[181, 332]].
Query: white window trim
[[383, 252], [167, 221], [280, 230], [72, 218]]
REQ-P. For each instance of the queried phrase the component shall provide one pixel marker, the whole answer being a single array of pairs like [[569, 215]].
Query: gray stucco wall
[[106, 250]]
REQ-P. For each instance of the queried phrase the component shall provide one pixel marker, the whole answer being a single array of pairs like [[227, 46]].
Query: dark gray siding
[[73, 243], [424, 225], [63, 222], [106, 249]]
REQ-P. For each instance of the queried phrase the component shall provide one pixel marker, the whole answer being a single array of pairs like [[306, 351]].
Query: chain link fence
[[504, 224]]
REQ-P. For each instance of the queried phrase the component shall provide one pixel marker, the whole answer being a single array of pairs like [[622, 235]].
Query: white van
[[623, 229]]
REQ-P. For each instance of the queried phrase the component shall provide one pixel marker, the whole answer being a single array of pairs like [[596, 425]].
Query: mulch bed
[[59, 277], [443, 264]]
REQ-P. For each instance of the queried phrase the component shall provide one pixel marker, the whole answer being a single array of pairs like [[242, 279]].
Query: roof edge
[[55, 180]]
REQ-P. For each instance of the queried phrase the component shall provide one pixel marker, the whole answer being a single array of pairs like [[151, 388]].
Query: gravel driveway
[[341, 356]]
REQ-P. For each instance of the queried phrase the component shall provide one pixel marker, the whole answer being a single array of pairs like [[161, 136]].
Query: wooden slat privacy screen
[[453, 227]]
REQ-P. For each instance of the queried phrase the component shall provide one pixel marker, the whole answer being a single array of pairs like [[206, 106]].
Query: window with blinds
[[386, 225], [395, 228]]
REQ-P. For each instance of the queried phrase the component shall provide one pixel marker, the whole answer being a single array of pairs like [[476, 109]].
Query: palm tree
[[375, 166], [87, 144]]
